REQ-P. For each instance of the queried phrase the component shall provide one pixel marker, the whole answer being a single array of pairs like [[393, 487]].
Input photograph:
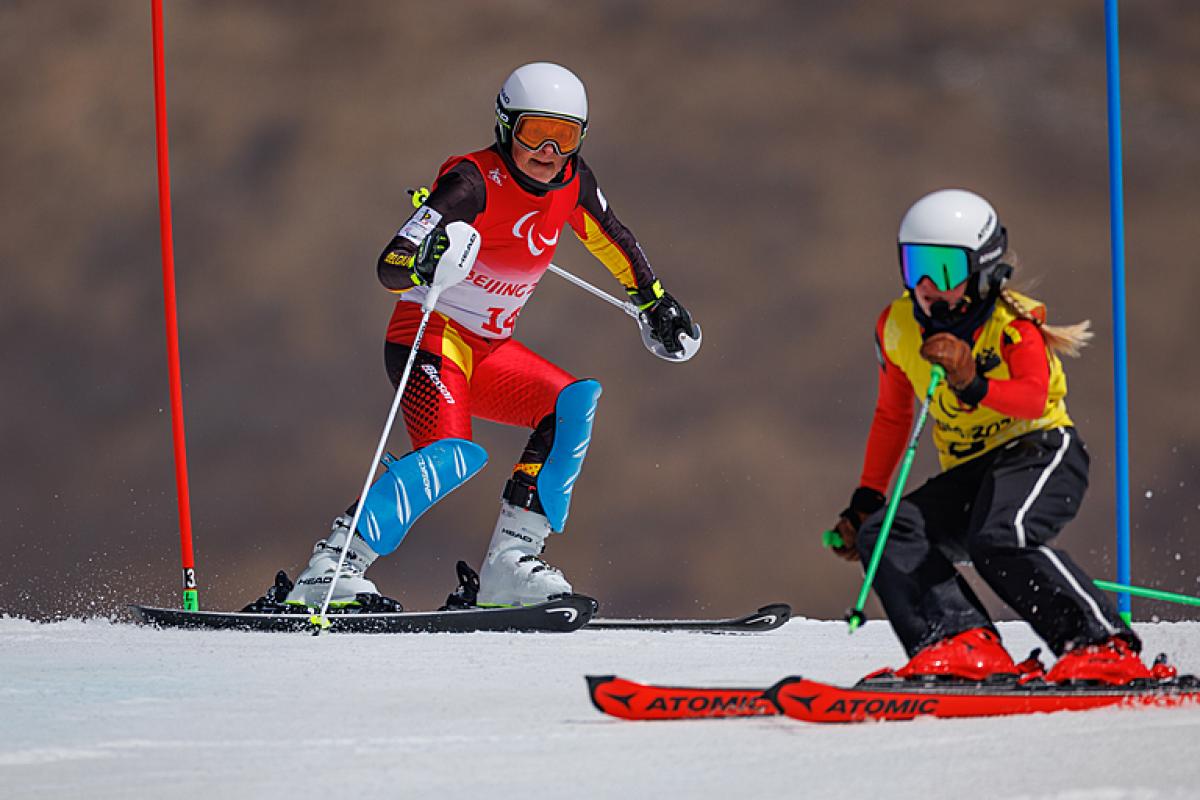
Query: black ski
[[767, 618], [563, 615]]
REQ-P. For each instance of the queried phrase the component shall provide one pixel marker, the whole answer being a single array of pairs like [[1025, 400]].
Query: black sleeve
[[597, 226], [458, 195]]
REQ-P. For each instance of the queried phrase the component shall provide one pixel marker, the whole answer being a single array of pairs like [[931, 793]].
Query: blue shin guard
[[411, 485], [573, 414]]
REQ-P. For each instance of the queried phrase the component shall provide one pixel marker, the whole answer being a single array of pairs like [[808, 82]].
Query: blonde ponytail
[[1063, 339]]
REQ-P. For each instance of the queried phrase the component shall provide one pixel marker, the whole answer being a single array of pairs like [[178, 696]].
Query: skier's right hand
[[418, 264], [863, 503], [848, 531], [428, 255]]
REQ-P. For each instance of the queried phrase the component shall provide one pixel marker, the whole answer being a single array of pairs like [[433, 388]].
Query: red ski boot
[[974, 655], [1112, 661]]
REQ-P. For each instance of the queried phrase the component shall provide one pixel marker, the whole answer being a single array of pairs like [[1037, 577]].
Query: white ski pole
[[691, 343], [628, 308], [454, 265]]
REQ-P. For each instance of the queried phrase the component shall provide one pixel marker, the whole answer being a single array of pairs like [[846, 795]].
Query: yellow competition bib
[[962, 432]]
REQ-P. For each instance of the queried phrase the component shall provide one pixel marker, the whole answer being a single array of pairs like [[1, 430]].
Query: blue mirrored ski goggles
[[946, 266]]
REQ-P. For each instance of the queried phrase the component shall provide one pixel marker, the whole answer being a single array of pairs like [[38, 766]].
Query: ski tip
[[596, 681], [595, 684]]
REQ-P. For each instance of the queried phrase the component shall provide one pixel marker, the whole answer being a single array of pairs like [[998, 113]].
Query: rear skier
[[1015, 468], [519, 193]]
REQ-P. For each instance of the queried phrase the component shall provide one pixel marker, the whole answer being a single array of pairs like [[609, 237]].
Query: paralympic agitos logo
[[527, 235]]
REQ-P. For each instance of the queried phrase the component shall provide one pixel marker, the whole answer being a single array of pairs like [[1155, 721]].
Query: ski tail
[[629, 700]]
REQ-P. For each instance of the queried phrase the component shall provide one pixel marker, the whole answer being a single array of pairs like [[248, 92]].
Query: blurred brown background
[[763, 152]]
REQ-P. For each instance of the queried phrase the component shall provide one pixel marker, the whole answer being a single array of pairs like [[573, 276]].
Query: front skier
[[518, 193], [1015, 467]]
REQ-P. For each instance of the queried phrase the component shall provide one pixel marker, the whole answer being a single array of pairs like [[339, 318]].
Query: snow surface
[[98, 709]]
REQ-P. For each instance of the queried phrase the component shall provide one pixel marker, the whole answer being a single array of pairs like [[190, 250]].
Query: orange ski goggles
[[533, 131]]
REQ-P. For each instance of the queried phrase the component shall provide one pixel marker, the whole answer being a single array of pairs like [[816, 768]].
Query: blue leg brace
[[411, 485], [573, 415]]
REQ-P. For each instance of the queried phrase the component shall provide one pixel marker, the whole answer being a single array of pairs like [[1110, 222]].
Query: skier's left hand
[[668, 320], [954, 355]]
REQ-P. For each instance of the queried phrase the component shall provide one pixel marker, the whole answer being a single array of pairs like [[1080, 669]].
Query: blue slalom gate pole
[[1116, 210]]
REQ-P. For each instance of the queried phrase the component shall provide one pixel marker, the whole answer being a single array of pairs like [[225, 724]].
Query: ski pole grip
[[832, 539], [937, 376], [455, 264]]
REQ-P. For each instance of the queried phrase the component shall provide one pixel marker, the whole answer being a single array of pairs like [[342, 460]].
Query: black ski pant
[[999, 511]]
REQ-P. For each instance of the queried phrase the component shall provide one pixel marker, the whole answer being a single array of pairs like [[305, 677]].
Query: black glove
[[667, 320], [863, 503], [428, 255], [418, 265]]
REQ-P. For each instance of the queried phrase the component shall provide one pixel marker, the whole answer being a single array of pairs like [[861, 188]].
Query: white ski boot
[[513, 572], [313, 583]]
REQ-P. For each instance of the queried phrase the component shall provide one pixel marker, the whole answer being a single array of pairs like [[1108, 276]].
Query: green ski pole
[[855, 615], [834, 539], [1153, 594]]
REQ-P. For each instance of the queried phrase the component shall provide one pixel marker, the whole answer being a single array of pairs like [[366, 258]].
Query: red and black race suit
[[469, 365]]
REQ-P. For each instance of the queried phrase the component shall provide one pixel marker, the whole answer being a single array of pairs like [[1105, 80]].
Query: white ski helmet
[[948, 236], [544, 90]]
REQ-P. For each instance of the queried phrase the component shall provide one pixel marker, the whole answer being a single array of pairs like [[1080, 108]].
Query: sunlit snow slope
[[104, 710]]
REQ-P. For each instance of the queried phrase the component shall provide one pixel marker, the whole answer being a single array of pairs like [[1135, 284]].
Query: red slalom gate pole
[[191, 598]]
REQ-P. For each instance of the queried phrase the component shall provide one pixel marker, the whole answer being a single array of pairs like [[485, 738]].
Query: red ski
[[882, 698], [637, 701], [896, 699]]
